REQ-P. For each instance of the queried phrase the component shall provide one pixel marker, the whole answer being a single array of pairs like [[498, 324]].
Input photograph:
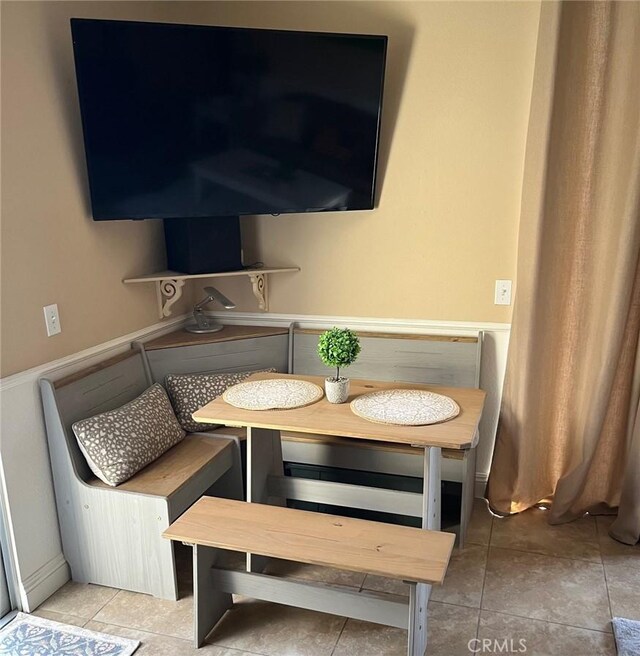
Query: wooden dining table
[[267, 484]]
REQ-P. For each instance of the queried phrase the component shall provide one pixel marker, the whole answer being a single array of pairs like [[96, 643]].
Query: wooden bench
[[438, 359], [112, 536], [413, 555]]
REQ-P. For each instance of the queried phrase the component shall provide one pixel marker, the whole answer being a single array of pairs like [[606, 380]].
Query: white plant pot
[[337, 390]]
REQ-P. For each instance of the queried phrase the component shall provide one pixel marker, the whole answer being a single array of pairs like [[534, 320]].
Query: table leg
[[264, 459], [420, 592], [431, 489]]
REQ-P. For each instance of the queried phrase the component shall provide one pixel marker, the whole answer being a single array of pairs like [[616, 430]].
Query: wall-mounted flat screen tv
[[198, 121]]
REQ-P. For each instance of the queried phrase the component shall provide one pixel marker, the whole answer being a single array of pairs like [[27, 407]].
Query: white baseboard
[[481, 485], [43, 583]]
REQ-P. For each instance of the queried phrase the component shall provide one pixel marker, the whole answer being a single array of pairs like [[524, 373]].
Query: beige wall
[[458, 88], [457, 94], [51, 250]]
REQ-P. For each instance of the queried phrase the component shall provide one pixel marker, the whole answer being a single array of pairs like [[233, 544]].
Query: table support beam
[[348, 495]]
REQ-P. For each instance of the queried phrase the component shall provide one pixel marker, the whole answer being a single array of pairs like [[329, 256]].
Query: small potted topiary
[[338, 347]]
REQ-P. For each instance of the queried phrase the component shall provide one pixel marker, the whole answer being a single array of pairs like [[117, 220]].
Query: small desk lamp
[[202, 323]]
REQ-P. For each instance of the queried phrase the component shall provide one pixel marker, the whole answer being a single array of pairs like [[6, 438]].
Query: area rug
[[28, 635], [627, 634]]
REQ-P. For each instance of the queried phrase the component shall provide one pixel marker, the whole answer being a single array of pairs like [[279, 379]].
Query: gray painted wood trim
[[344, 494], [370, 607]]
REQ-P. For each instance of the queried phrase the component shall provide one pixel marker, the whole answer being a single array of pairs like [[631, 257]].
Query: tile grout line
[[606, 580], [538, 619], [549, 555], [155, 633], [333, 649], [118, 591], [601, 563], [484, 578]]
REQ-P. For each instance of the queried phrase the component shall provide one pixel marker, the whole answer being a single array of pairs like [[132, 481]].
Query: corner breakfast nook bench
[[413, 555], [263, 527]]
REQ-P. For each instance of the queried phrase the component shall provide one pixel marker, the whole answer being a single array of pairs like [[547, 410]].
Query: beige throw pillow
[[119, 443], [189, 392]]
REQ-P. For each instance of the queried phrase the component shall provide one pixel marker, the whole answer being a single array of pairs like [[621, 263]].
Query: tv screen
[[194, 121]]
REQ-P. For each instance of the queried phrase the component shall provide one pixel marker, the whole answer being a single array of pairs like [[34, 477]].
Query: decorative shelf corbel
[[259, 287], [170, 284], [168, 292]]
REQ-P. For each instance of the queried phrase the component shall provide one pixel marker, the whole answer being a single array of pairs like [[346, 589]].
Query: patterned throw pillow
[[189, 392], [119, 443]]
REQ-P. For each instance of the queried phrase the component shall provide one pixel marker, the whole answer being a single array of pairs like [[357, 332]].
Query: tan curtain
[[569, 429]]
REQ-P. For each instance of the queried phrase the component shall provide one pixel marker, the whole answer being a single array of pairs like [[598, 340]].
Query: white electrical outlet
[[52, 319], [503, 292]]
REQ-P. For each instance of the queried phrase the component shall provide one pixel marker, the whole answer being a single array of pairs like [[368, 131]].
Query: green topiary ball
[[338, 347]]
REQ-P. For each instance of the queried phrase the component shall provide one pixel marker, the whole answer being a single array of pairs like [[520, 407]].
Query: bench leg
[[209, 604], [418, 600], [264, 459]]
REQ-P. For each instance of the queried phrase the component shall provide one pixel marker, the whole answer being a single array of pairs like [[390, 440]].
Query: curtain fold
[[568, 429]]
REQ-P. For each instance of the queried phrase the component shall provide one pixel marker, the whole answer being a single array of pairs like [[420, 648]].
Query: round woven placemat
[[405, 407], [273, 394]]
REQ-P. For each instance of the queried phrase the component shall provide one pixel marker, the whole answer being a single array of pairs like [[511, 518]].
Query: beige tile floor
[[553, 587]]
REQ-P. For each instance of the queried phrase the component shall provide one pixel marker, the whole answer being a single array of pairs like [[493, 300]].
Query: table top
[[324, 418]]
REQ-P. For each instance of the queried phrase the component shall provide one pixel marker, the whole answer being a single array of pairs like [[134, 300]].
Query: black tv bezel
[[374, 185]]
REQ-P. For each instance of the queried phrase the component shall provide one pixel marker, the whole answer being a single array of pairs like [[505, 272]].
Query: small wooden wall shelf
[[169, 284]]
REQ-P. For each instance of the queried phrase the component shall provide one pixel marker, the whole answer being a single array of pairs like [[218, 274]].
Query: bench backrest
[[218, 357], [436, 359], [97, 389]]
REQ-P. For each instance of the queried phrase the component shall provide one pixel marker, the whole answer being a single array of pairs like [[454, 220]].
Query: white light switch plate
[[52, 319], [503, 292]]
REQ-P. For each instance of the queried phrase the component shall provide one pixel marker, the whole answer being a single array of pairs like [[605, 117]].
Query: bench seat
[[358, 545], [174, 469], [214, 525], [111, 536]]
